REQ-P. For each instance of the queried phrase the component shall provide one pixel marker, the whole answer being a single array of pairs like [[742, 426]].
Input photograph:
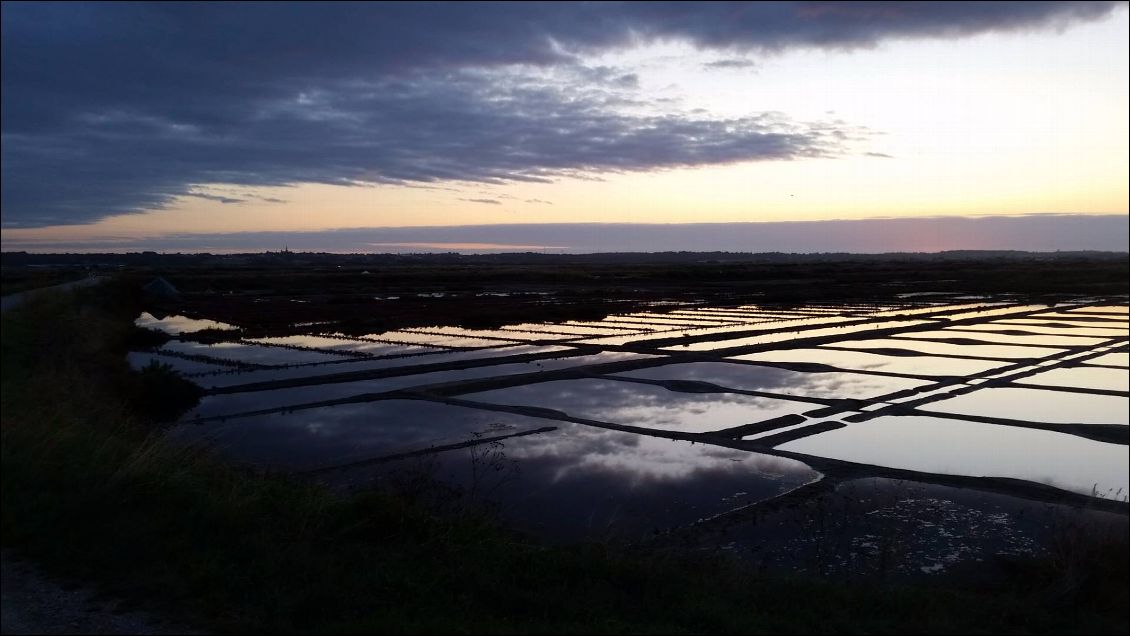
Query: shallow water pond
[[586, 483], [434, 340], [335, 435], [496, 334], [361, 364], [995, 351], [774, 380], [1070, 327], [771, 325], [176, 325], [954, 447], [597, 329], [1107, 310], [227, 404], [787, 336], [644, 405], [251, 353], [1037, 405], [988, 337], [140, 359], [664, 320], [1111, 359], [327, 343], [863, 361], [1083, 377]]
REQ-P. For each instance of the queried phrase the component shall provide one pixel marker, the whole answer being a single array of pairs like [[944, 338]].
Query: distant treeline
[[287, 258]]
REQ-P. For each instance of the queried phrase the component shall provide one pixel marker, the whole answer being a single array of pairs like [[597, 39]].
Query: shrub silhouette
[[161, 394]]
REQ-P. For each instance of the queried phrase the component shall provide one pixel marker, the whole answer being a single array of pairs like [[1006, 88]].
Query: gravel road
[[33, 603]]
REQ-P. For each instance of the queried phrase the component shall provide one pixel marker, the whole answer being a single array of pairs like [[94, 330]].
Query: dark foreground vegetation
[[20, 279], [90, 491]]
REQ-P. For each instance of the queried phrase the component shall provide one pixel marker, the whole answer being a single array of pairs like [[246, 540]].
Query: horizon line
[[1030, 232]]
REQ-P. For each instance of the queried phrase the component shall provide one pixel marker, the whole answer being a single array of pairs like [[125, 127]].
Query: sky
[[829, 126]]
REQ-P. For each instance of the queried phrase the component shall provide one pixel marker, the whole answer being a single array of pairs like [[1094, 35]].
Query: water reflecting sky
[[582, 482], [328, 436], [999, 352], [231, 403], [1037, 405], [330, 344], [988, 337], [774, 380], [572, 483], [861, 360], [1065, 327], [251, 353], [1082, 377], [644, 405], [935, 444], [175, 325], [1041, 327], [355, 364], [140, 359], [1112, 359]]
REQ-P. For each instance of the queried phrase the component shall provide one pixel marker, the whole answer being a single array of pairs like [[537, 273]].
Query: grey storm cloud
[[215, 197], [118, 107], [729, 64]]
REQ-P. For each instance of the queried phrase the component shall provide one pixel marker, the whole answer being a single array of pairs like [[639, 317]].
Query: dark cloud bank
[[1045, 232], [116, 107]]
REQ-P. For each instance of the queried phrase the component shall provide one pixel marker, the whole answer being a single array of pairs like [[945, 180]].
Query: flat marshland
[[878, 446]]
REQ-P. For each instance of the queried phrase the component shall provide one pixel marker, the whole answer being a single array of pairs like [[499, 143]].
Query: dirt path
[[11, 301], [34, 604]]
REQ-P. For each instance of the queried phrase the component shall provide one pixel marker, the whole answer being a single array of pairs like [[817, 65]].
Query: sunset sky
[[212, 126]]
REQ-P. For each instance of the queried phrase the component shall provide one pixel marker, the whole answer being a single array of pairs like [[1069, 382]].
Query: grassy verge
[[90, 491], [13, 280]]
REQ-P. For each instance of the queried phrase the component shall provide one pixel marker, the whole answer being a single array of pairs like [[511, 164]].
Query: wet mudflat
[[671, 421], [896, 529]]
